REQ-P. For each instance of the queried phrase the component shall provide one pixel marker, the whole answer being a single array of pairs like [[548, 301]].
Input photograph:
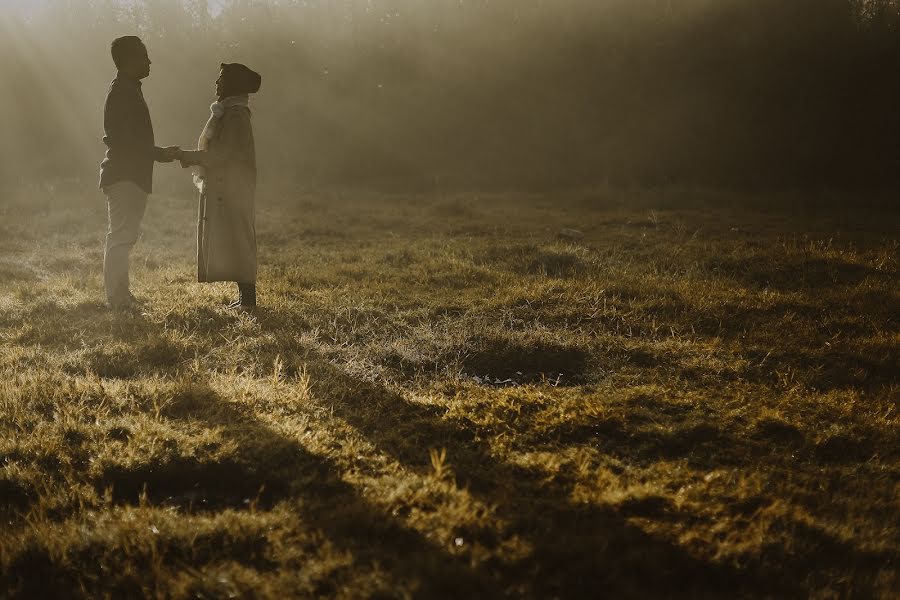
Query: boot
[[247, 296]]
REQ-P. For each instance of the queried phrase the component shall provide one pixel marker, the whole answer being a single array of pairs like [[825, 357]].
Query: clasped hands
[[173, 153]]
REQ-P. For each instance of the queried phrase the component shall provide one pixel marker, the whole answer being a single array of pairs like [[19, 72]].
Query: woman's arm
[[231, 147], [191, 158]]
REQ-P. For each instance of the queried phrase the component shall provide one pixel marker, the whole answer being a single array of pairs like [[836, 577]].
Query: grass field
[[442, 397]]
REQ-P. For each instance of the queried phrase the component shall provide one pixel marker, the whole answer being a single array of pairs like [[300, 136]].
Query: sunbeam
[[449, 299]]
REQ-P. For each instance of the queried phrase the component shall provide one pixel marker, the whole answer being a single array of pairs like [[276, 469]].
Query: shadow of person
[[577, 549], [272, 468]]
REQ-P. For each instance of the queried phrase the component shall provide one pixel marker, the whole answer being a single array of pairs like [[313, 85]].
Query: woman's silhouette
[[225, 173]]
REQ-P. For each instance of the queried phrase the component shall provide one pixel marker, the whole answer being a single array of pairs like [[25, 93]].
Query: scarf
[[217, 110]]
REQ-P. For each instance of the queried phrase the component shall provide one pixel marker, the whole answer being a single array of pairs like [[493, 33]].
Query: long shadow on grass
[[578, 550], [278, 468], [268, 468]]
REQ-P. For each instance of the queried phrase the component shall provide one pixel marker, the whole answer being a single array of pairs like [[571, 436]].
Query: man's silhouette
[[126, 174]]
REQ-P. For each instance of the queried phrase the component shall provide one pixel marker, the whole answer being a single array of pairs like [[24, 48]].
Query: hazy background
[[413, 94]]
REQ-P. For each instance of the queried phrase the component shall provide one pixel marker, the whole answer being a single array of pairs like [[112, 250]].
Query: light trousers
[[127, 203]]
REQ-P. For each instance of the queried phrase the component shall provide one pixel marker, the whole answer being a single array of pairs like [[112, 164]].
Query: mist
[[516, 94], [533, 299]]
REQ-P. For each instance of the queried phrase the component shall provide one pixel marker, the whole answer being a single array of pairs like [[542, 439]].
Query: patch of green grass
[[441, 398]]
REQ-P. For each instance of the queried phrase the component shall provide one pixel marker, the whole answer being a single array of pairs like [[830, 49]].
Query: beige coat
[[226, 226]]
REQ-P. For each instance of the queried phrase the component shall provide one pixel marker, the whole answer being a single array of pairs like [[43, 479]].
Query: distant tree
[[877, 14]]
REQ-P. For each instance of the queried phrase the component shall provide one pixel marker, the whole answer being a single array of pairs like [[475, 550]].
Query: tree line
[[480, 93]]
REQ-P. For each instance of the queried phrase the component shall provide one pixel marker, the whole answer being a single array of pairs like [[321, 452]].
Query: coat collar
[[125, 79]]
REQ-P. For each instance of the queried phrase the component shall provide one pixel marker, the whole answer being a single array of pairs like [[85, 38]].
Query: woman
[[225, 174]]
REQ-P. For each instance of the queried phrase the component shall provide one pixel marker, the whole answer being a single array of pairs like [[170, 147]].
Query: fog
[[407, 94]]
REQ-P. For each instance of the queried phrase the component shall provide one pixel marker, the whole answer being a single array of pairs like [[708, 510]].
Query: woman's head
[[236, 79]]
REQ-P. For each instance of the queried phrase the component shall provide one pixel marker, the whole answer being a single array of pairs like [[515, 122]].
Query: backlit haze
[[477, 93]]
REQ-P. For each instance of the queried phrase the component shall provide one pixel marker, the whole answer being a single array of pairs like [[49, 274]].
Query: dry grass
[[440, 397]]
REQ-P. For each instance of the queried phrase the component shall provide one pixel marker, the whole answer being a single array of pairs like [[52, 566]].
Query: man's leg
[[127, 203]]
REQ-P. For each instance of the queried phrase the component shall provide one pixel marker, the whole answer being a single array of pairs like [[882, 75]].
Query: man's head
[[130, 56]]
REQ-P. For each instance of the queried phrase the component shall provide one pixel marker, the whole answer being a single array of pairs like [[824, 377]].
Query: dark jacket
[[128, 135]]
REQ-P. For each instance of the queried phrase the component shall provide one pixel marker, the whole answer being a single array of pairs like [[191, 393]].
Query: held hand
[[190, 158], [171, 153], [187, 160]]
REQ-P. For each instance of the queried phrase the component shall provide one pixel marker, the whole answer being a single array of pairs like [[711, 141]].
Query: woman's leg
[[247, 294]]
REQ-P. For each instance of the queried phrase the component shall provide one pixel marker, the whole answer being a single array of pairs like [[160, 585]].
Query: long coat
[[226, 221]]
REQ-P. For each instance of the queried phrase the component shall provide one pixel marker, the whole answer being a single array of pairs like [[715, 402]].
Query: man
[[126, 174]]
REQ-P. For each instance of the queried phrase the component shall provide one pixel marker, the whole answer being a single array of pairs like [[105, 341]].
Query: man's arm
[[119, 128]]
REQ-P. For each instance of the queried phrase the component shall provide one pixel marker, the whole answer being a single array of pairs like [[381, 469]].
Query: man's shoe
[[129, 303], [125, 306]]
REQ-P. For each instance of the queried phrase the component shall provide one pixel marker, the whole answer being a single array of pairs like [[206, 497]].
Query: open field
[[441, 397]]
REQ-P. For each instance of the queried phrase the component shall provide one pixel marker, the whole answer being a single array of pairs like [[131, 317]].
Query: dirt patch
[[510, 362]]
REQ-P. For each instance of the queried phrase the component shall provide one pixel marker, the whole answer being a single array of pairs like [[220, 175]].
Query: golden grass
[[442, 397]]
